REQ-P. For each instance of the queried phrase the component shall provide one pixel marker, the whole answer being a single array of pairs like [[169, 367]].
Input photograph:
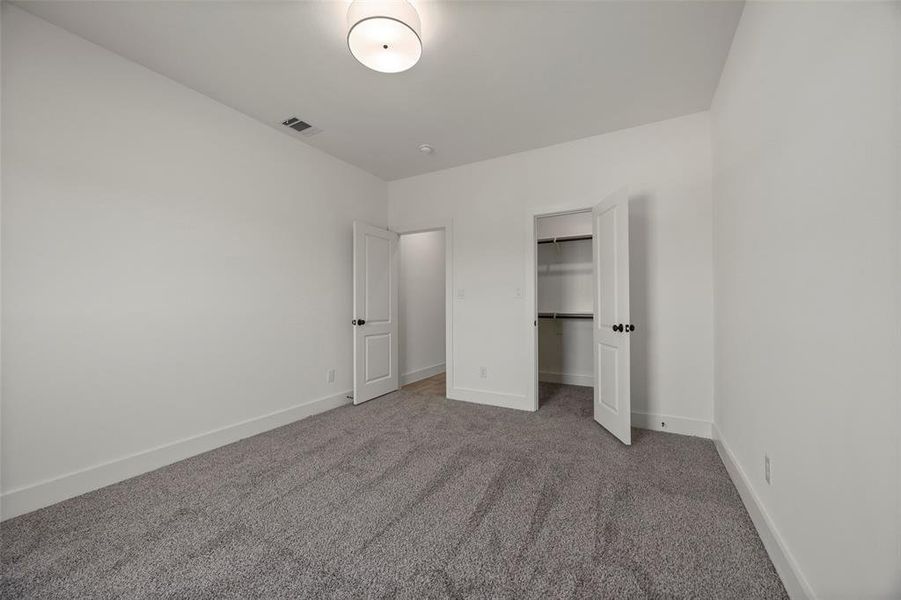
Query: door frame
[[446, 225], [531, 288]]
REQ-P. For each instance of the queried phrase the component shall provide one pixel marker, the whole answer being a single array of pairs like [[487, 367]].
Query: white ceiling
[[495, 77]]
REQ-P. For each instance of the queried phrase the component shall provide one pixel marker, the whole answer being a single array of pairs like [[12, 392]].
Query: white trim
[[787, 567], [671, 424], [503, 400], [531, 307], [32, 497], [420, 374], [566, 378]]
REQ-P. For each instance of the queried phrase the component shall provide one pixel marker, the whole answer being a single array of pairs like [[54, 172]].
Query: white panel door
[[375, 312], [612, 395]]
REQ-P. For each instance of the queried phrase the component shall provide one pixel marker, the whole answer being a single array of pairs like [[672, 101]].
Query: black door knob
[[618, 327], [354, 322], [631, 327], [361, 321]]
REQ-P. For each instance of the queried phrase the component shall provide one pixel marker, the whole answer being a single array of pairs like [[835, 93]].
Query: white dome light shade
[[384, 34]]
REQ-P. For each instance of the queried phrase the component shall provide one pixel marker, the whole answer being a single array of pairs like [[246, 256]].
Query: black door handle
[[361, 321], [618, 327], [630, 327]]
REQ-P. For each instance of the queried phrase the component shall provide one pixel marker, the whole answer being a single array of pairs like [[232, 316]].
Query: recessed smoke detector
[[426, 149], [302, 127]]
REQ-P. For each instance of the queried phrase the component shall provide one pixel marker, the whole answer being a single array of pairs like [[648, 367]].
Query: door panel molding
[[610, 248], [375, 265]]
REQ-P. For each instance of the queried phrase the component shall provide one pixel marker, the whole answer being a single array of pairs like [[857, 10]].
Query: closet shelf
[[564, 238], [553, 315]]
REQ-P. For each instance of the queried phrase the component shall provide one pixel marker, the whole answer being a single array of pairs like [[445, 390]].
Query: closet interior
[[565, 304]]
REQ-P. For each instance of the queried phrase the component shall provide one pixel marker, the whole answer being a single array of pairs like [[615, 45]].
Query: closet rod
[[546, 315], [564, 238]]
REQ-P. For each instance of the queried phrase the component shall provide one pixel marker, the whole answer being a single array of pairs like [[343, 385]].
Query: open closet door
[[612, 394], [375, 312]]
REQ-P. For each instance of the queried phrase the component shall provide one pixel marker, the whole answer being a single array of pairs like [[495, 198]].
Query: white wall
[[807, 311], [667, 167], [170, 267], [574, 223], [421, 305], [565, 353]]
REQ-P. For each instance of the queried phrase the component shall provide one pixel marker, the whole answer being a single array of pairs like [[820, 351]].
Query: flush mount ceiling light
[[384, 34]]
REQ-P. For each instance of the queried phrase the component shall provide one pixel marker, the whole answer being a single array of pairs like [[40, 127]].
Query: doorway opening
[[565, 308], [579, 285], [422, 297], [389, 305]]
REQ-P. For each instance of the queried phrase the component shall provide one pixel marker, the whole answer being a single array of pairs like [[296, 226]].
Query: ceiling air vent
[[302, 126]]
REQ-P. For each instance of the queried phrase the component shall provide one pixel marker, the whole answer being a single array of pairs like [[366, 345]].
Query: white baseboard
[[420, 374], [655, 422], [671, 424], [566, 378], [652, 421], [793, 579], [32, 497], [516, 401]]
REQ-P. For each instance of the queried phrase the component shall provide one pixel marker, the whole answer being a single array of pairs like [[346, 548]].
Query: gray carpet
[[408, 496]]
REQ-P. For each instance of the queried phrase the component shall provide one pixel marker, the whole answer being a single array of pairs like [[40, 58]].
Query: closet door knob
[[631, 327], [354, 322], [361, 321], [618, 327]]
